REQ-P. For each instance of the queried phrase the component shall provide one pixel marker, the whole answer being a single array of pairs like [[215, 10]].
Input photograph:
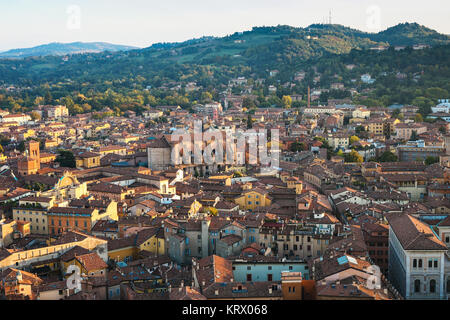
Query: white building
[[20, 118], [442, 107], [417, 259]]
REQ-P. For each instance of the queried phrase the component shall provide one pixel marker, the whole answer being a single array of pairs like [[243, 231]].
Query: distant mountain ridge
[[281, 48], [59, 49]]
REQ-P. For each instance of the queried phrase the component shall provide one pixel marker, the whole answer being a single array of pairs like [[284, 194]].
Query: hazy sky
[[27, 23]]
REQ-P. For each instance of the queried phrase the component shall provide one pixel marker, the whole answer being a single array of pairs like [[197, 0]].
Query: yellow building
[[252, 199], [34, 210], [127, 249], [87, 160], [382, 126], [103, 151], [90, 264]]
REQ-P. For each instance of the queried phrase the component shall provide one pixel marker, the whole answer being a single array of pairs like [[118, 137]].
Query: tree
[[248, 103], [430, 160], [353, 139], [249, 121], [360, 129], [354, 156], [297, 146], [418, 117], [287, 101], [48, 99], [21, 146], [388, 156], [413, 136], [206, 96], [35, 116], [66, 159], [395, 113]]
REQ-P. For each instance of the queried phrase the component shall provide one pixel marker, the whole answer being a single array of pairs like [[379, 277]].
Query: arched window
[[420, 263], [432, 286], [417, 285]]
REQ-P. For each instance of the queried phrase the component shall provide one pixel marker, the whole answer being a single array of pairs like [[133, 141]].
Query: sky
[[140, 23]]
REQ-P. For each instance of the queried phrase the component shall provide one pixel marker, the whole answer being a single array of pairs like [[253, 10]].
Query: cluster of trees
[[66, 159]]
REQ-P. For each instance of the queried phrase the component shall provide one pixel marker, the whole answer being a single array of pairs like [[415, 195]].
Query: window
[[415, 263], [430, 263], [269, 277], [435, 263], [420, 263], [417, 286], [269, 268], [249, 268], [249, 277], [432, 286], [290, 267]]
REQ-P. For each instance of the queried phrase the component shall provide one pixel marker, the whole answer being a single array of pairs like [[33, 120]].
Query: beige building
[[54, 250], [338, 140], [34, 210], [403, 131]]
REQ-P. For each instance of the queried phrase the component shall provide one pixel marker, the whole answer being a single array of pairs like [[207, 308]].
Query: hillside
[[158, 75], [257, 50], [59, 49]]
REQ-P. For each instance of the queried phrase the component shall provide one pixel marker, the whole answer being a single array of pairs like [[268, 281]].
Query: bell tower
[[33, 149]]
